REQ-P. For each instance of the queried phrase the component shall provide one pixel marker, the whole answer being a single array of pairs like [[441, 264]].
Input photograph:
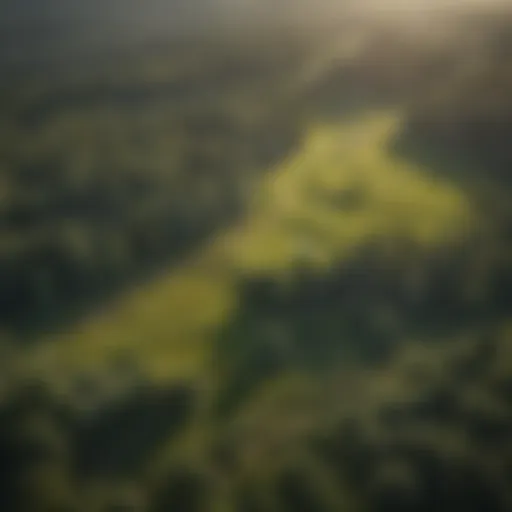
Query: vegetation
[[259, 276]]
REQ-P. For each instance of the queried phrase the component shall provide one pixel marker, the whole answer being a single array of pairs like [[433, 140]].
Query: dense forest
[[261, 273]]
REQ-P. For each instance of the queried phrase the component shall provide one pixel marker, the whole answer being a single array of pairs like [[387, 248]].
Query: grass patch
[[342, 189]]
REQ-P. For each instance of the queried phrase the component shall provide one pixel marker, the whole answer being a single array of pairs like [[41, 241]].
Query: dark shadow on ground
[[361, 311], [123, 436]]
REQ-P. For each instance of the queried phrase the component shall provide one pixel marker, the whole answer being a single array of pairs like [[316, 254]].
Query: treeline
[[105, 174]]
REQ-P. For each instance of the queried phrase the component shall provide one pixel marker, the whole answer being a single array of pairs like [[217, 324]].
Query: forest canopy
[[256, 270]]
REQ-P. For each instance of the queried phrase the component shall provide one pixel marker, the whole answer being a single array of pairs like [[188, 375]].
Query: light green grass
[[294, 216], [342, 188]]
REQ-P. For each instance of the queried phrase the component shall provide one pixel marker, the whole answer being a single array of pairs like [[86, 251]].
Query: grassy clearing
[[341, 189]]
